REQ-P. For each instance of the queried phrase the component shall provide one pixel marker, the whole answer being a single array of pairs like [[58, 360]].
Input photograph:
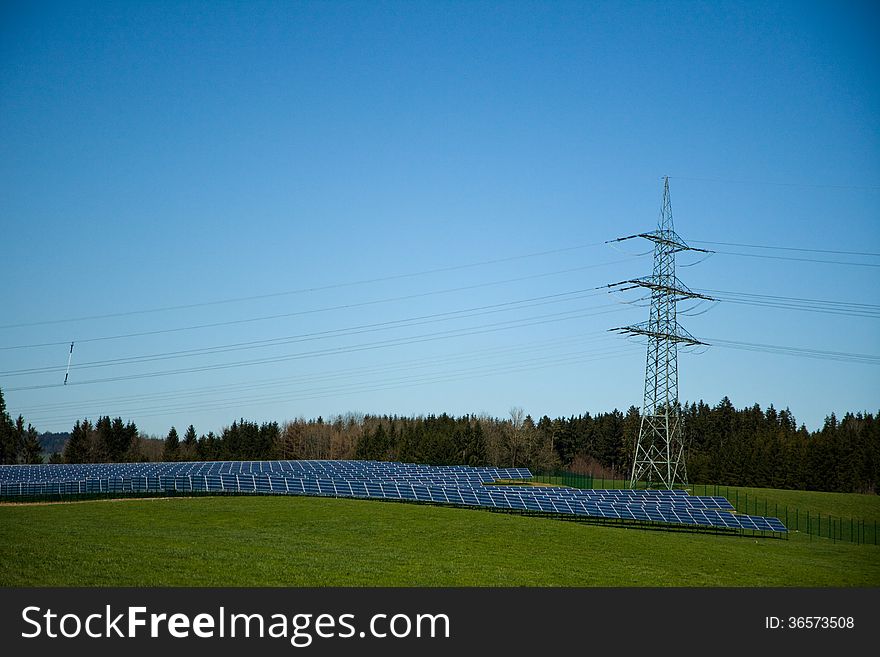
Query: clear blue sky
[[335, 153]]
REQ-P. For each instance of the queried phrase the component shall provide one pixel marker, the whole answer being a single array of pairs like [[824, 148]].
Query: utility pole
[[659, 454]]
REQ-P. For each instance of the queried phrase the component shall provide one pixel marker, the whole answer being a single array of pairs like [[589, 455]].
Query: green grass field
[[297, 541]]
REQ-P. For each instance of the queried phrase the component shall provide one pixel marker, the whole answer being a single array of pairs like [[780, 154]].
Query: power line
[[531, 346], [321, 288], [790, 248], [399, 298], [788, 298], [574, 358], [331, 378], [429, 337], [821, 311], [758, 300], [790, 258], [778, 184], [842, 356], [299, 313], [823, 306], [331, 333]]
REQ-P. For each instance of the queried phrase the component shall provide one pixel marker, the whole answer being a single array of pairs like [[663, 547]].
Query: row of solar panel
[[335, 469], [608, 491], [444, 476], [158, 472], [438, 480], [273, 466], [458, 479], [258, 482], [268, 483], [534, 500], [628, 496], [292, 463]]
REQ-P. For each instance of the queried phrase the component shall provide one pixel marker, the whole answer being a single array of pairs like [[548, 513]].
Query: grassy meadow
[[301, 541]]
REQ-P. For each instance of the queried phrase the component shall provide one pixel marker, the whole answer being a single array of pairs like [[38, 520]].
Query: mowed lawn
[[298, 541]]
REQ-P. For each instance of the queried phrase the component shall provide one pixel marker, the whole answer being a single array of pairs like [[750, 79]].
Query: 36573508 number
[[820, 622]]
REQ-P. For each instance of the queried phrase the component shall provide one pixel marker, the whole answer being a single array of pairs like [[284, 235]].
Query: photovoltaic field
[[447, 485]]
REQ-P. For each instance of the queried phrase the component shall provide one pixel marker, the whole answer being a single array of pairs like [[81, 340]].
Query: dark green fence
[[835, 528], [561, 478]]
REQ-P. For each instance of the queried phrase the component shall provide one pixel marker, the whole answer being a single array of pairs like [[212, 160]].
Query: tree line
[[724, 445], [17, 443]]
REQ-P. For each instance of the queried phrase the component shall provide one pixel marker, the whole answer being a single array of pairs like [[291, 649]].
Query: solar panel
[[459, 485]]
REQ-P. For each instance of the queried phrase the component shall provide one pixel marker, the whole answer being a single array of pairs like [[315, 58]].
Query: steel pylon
[[659, 450]]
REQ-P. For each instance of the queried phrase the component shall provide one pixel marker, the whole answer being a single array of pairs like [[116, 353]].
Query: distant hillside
[[150, 447], [53, 442]]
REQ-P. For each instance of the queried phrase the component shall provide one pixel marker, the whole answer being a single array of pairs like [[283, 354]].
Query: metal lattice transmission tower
[[659, 451]]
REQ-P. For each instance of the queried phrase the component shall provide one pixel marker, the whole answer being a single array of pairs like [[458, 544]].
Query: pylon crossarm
[[688, 340], [676, 243], [678, 290], [673, 241]]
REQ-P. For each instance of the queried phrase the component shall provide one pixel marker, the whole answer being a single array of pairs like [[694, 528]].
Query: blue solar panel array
[[456, 485]]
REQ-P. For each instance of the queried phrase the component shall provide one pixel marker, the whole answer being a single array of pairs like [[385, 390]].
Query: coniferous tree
[[171, 450], [79, 448], [31, 452], [230, 441], [373, 445], [364, 448], [120, 439], [381, 444], [102, 441], [630, 433], [210, 451], [132, 440], [268, 436], [190, 445], [8, 442], [407, 446], [18, 439]]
